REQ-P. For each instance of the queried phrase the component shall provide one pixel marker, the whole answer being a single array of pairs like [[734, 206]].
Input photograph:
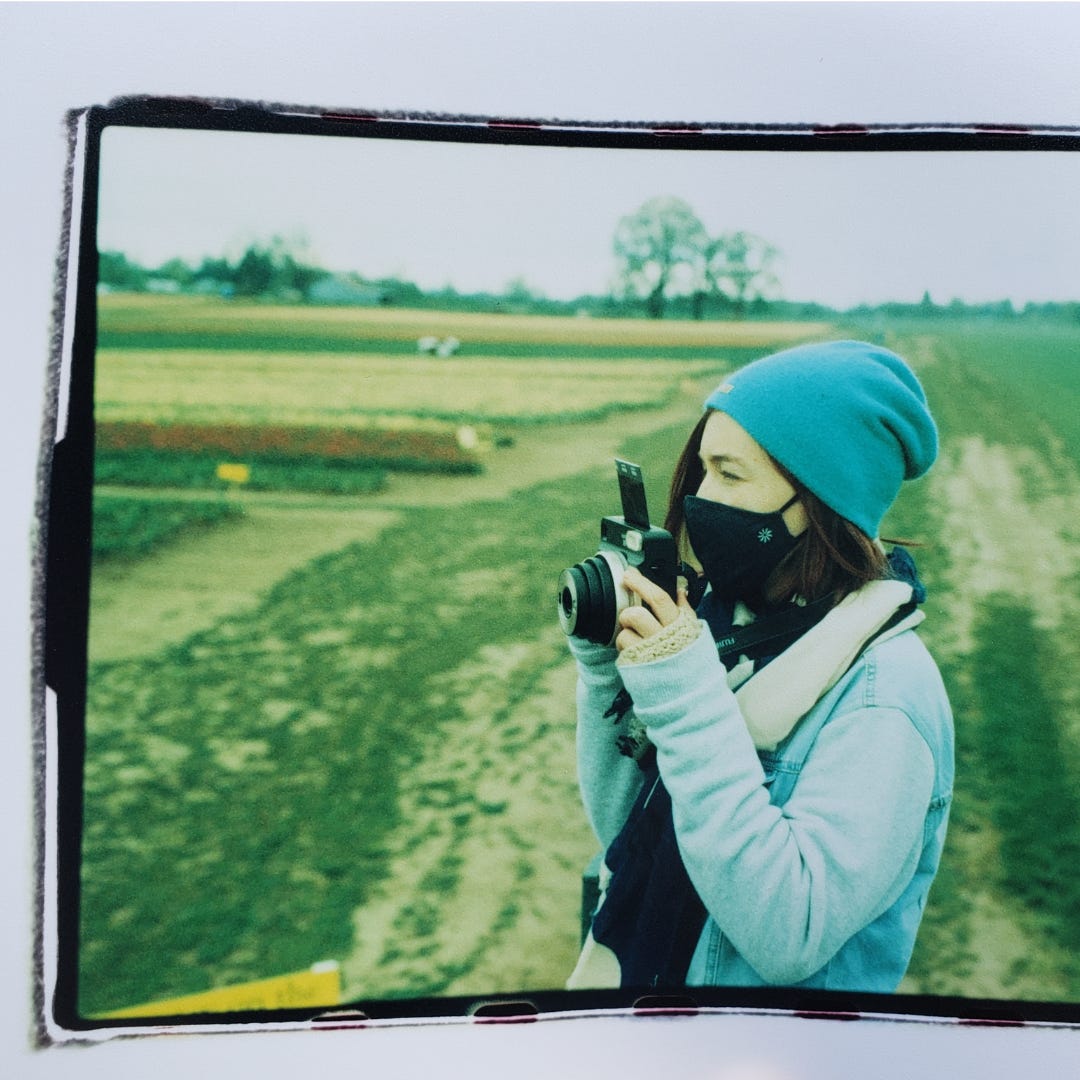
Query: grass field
[[128, 528], [369, 756], [331, 389], [1000, 514], [127, 321]]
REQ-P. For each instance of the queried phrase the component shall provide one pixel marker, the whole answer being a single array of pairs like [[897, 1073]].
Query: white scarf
[[776, 698]]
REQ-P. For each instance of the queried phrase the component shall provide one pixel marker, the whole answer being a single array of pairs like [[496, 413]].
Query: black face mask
[[737, 549]]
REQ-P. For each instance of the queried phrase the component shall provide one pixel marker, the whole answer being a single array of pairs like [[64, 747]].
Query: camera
[[590, 594]]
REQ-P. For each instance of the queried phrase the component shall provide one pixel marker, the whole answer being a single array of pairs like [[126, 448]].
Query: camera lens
[[566, 601], [590, 597]]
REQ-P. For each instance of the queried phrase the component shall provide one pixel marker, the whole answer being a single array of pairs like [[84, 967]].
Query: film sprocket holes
[[590, 593]]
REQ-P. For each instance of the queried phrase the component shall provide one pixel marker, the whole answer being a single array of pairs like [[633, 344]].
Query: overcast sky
[[851, 228]]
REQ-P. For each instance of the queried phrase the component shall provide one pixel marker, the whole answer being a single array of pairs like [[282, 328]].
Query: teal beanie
[[849, 420]]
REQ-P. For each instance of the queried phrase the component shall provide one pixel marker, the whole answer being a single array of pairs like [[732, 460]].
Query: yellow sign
[[234, 474], [320, 985]]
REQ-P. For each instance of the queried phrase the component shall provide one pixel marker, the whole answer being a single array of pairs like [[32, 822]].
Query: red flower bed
[[240, 441]]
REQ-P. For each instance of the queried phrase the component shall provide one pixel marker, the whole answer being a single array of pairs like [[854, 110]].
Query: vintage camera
[[590, 594]]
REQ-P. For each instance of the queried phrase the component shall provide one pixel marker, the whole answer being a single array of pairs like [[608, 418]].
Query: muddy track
[[483, 888], [483, 893], [1018, 541], [1008, 517], [228, 570]]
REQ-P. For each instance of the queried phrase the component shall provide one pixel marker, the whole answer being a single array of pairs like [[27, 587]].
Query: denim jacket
[[814, 858]]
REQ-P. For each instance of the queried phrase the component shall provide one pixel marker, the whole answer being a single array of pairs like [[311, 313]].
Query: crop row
[[327, 389], [174, 469], [414, 449]]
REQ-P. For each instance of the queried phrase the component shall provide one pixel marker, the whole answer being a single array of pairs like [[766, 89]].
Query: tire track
[[482, 896], [1008, 517]]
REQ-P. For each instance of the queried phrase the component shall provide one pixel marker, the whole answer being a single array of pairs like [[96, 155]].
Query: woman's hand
[[655, 611]]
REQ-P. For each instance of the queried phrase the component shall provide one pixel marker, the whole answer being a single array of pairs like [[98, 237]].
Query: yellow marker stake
[[234, 473], [318, 986]]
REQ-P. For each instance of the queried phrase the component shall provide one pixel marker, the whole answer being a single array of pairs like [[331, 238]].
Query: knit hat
[[849, 420]]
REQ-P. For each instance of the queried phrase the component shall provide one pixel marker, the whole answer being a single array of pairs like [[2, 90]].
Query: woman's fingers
[[636, 623], [640, 621], [656, 610], [682, 599], [653, 597]]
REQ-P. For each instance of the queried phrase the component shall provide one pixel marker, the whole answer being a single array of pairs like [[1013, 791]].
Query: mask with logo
[[737, 549]]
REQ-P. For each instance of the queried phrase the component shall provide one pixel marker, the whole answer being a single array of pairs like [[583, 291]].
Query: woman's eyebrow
[[723, 459]]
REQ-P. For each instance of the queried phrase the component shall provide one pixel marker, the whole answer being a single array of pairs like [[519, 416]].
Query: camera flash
[[632, 541]]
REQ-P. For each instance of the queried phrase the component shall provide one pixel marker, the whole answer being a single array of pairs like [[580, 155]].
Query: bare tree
[[739, 266], [660, 250]]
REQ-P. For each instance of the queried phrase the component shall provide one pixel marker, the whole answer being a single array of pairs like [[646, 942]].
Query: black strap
[[772, 634]]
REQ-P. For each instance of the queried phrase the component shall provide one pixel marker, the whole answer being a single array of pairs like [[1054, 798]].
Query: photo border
[[68, 465]]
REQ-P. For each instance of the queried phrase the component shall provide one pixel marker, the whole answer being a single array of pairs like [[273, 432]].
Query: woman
[[769, 769]]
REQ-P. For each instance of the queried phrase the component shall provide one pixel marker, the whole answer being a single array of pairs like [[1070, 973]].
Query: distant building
[[212, 287], [339, 290], [162, 285]]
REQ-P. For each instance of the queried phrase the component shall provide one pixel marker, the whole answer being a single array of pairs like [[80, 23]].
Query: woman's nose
[[707, 489]]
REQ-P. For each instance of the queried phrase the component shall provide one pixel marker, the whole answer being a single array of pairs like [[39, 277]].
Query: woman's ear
[[796, 519]]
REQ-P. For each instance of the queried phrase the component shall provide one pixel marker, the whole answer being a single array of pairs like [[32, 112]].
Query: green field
[[1002, 557], [371, 758], [127, 528], [168, 322], [183, 384]]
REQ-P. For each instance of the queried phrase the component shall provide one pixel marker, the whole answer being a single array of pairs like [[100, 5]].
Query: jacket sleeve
[[786, 885], [609, 780]]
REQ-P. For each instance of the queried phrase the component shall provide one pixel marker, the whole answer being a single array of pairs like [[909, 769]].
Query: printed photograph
[[381, 706]]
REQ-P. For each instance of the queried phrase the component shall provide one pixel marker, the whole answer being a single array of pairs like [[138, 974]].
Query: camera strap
[[771, 634]]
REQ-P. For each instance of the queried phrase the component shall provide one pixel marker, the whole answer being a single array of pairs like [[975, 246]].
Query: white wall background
[[812, 62]]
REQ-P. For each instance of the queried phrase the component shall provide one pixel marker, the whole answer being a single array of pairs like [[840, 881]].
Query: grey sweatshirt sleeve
[[609, 780], [787, 885]]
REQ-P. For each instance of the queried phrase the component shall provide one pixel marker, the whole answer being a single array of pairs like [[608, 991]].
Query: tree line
[[270, 269], [666, 265]]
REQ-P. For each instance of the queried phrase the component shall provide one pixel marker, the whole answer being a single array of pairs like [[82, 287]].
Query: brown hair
[[832, 558]]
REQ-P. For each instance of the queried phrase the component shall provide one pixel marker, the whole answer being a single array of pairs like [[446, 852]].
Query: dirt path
[[546, 453], [484, 887], [483, 894], [1015, 535], [137, 610], [227, 570]]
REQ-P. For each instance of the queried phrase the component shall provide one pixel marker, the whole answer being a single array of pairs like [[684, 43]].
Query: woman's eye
[[720, 472]]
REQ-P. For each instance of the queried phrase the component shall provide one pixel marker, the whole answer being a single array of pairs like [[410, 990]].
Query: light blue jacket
[[814, 860]]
